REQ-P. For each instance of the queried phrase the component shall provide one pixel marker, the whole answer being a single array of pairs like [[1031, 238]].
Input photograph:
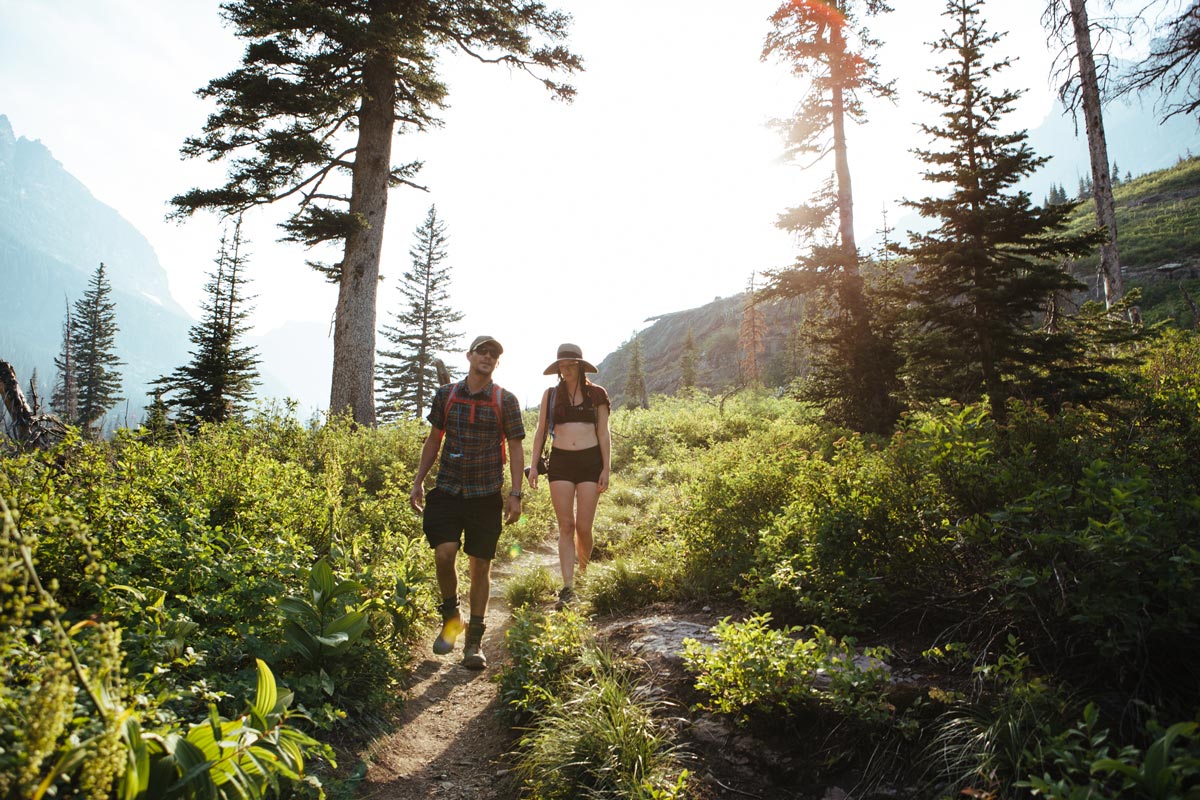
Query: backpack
[[494, 402]]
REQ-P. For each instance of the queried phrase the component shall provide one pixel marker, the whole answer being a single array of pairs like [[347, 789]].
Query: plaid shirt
[[471, 463]]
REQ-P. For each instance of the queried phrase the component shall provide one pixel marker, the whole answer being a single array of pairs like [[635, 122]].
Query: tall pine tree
[[93, 345], [311, 114], [751, 334], [687, 363], [405, 376], [853, 363], [993, 259], [218, 382], [635, 378], [64, 397]]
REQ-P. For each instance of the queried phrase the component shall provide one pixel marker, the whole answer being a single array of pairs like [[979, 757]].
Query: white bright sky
[[654, 192]]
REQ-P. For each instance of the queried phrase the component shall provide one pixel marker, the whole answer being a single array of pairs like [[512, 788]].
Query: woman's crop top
[[584, 412]]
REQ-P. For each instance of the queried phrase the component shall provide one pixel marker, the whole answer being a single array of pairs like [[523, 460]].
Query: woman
[[575, 412]]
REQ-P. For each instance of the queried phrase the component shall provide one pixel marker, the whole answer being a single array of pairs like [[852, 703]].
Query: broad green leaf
[[320, 582], [297, 607], [345, 587], [302, 640], [196, 780], [352, 623], [268, 694], [335, 641]]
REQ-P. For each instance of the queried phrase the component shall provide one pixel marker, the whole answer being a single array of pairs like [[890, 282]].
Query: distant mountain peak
[[8, 140]]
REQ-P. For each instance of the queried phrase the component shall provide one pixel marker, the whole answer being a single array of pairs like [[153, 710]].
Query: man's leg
[[444, 556], [481, 535], [481, 585]]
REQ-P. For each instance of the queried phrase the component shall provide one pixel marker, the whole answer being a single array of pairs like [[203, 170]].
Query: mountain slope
[[53, 234]]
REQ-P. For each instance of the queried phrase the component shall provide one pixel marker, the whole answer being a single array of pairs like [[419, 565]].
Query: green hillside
[[1158, 221], [1158, 227]]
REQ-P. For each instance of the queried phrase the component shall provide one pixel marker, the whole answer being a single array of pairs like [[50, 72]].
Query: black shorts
[[448, 517], [576, 466]]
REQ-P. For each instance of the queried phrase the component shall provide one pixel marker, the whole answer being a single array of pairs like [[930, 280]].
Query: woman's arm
[[539, 440], [602, 434]]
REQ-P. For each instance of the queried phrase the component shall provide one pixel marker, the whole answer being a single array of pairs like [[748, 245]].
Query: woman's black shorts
[[576, 466]]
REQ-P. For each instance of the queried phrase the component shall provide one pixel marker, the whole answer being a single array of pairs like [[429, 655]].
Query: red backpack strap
[[497, 398], [494, 402]]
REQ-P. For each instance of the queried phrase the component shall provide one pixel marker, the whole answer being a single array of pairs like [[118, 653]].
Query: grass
[[1154, 225], [602, 738], [530, 587]]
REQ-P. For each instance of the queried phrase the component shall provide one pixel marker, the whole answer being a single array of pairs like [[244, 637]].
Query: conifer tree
[[93, 347], [64, 397], [853, 362], [218, 382], [635, 378], [310, 117], [406, 376], [687, 363], [751, 334], [992, 260]]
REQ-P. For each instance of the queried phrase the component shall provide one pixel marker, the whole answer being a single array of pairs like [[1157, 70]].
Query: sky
[[655, 191]]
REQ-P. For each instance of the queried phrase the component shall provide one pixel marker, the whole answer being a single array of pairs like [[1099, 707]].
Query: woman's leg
[[587, 497], [562, 495]]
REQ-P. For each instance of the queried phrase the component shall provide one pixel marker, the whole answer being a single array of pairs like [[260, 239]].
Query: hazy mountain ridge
[[53, 235]]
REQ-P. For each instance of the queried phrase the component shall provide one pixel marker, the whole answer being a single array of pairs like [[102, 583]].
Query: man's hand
[[512, 510], [416, 498]]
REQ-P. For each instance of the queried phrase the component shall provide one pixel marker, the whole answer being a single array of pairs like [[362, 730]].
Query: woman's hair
[[562, 397]]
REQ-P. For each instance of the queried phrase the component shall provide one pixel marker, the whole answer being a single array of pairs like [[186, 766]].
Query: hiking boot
[[452, 626], [566, 596], [473, 657]]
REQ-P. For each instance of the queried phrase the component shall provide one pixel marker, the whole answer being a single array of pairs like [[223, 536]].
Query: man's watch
[[515, 494]]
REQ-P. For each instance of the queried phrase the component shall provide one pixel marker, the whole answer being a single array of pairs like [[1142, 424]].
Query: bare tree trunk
[[14, 401], [845, 199], [353, 386], [1106, 215]]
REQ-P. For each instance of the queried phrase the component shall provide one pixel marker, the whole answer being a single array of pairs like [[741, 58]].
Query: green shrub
[[757, 668], [542, 648], [73, 726], [1083, 761], [743, 486]]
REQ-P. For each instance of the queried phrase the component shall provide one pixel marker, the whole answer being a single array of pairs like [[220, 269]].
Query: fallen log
[[39, 430]]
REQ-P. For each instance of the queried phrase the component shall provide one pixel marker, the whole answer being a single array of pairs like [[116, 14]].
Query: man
[[477, 421]]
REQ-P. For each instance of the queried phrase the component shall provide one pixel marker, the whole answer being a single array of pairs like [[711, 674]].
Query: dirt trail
[[451, 739]]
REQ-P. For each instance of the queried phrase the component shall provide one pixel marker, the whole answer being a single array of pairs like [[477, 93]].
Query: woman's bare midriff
[[575, 436]]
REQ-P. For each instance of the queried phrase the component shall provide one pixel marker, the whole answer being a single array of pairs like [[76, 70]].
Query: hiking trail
[[450, 739]]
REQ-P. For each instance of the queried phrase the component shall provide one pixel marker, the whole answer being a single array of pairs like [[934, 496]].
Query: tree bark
[[353, 387], [14, 401], [1089, 87], [845, 199]]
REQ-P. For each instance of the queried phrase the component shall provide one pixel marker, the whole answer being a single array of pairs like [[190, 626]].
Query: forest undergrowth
[[214, 614]]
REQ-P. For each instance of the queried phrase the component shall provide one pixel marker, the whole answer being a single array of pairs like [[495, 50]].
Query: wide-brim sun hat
[[569, 352]]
